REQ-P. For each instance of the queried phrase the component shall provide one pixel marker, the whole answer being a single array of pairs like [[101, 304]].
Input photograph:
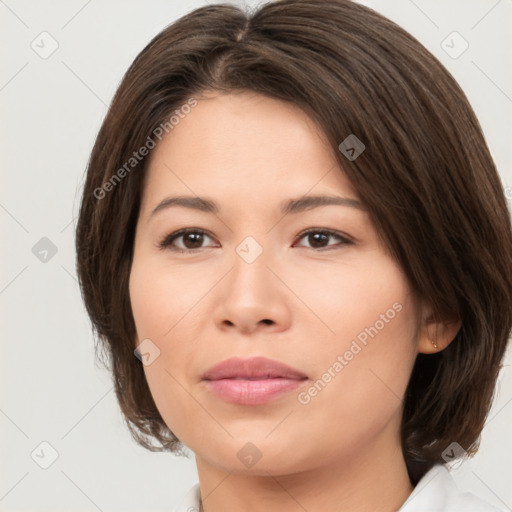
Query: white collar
[[435, 492]]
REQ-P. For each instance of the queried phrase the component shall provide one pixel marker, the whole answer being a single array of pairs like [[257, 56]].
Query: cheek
[[347, 298], [163, 297], [159, 313], [164, 316], [363, 365]]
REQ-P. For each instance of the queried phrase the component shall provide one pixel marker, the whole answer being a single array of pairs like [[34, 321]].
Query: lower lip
[[252, 392]]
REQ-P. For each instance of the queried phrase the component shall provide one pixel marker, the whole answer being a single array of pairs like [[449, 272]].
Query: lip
[[252, 381]]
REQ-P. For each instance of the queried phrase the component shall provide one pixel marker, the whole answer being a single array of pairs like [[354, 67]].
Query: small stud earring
[[435, 344]]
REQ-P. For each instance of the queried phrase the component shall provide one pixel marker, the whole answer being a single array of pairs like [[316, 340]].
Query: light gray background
[[51, 110]]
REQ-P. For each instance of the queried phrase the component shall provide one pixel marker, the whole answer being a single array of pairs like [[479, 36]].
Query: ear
[[436, 334]]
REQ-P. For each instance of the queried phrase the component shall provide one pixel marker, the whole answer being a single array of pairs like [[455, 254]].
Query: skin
[[298, 303]]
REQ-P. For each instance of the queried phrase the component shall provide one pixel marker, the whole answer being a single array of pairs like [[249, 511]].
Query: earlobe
[[436, 335]]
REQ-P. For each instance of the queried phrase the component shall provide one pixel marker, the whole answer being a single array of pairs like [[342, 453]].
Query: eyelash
[[165, 244]]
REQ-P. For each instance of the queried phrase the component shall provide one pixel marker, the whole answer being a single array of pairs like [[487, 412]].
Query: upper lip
[[252, 368]]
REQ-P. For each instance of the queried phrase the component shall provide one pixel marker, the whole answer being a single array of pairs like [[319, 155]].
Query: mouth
[[253, 381]]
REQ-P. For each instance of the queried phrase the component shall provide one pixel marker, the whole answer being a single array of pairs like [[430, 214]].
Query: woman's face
[[248, 282]]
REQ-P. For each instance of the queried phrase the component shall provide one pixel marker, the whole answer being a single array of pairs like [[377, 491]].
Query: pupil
[[195, 239]]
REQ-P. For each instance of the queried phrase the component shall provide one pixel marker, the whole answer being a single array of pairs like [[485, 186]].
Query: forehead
[[244, 145]]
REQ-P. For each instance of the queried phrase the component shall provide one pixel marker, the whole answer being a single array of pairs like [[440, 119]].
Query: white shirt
[[435, 492]]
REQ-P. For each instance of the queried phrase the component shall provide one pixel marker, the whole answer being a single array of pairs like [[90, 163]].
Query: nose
[[252, 297]]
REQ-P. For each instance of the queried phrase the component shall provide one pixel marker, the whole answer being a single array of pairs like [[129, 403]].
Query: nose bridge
[[250, 250], [250, 272], [251, 296]]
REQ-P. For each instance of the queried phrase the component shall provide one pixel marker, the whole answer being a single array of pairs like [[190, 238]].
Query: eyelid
[[345, 239], [165, 244]]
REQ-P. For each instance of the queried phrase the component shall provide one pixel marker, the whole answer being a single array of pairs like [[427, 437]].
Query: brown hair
[[426, 177]]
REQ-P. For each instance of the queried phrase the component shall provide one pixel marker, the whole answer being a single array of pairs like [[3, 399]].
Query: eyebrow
[[290, 206]]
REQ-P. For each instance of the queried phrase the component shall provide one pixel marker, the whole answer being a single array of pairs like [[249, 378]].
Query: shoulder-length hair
[[426, 177]]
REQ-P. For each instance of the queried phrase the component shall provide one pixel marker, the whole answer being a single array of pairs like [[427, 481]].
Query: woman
[[292, 219]]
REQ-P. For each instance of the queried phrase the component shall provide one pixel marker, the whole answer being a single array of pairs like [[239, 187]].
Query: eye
[[189, 239], [319, 238], [192, 239]]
